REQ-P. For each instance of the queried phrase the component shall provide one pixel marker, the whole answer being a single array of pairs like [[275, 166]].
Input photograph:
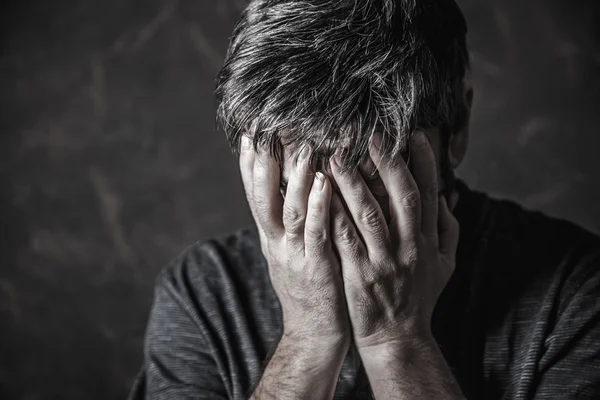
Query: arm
[[304, 273], [394, 272], [414, 370], [300, 369]]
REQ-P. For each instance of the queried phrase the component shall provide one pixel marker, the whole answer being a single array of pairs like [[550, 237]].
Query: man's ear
[[459, 141]]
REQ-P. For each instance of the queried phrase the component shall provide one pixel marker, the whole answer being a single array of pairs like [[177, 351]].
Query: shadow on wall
[[535, 72]]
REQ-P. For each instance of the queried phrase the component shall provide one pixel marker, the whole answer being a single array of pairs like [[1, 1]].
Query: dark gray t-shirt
[[519, 319]]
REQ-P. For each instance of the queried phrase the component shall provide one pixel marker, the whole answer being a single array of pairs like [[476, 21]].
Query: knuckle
[[368, 277], [411, 199], [347, 236], [293, 220], [369, 216], [410, 258], [371, 220], [316, 238], [429, 195]]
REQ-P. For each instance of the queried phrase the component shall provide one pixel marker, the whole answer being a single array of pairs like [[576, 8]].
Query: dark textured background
[[110, 163]]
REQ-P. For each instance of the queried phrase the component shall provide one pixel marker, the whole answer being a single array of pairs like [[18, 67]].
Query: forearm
[[302, 369], [410, 371]]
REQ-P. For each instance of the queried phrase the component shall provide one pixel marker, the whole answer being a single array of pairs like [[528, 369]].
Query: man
[[350, 118]]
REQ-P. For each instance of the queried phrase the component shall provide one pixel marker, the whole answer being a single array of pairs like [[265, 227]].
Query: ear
[[459, 141]]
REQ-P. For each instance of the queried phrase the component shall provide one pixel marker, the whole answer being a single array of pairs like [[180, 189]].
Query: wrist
[[398, 337], [302, 368], [322, 338], [403, 349], [412, 368], [325, 350]]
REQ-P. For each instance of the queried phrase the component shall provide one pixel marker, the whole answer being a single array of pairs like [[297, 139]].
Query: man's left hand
[[394, 272]]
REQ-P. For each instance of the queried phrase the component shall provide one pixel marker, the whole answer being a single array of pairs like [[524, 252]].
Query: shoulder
[[535, 235], [538, 280], [542, 257], [211, 268], [203, 312], [504, 238], [236, 252]]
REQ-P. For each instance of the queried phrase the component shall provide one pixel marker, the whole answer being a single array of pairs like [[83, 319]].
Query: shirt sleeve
[[178, 362], [570, 365]]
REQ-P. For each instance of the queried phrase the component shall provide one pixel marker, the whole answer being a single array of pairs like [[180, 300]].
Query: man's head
[[327, 74]]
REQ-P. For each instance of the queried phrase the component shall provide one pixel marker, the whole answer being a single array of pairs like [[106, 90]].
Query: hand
[[394, 272], [296, 241]]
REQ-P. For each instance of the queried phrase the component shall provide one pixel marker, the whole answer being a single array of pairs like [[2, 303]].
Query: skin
[[344, 272], [368, 171]]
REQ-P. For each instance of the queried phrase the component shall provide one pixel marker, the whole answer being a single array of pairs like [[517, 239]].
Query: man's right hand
[[296, 241], [305, 274]]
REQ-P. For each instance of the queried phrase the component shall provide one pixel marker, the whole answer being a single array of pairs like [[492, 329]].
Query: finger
[[246, 163], [425, 174], [268, 203], [348, 244], [405, 208], [296, 203], [364, 209], [449, 230], [317, 227]]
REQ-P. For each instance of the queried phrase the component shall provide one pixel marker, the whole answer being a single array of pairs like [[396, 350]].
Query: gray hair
[[329, 73]]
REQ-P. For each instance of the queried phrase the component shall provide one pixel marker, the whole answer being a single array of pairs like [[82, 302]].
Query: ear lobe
[[459, 141]]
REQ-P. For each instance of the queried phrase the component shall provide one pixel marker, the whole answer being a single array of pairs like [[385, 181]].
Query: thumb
[[448, 229]]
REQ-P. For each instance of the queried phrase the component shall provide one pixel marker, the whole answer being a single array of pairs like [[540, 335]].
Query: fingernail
[[336, 164], [376, 141], [319, 181], [336, 159]]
